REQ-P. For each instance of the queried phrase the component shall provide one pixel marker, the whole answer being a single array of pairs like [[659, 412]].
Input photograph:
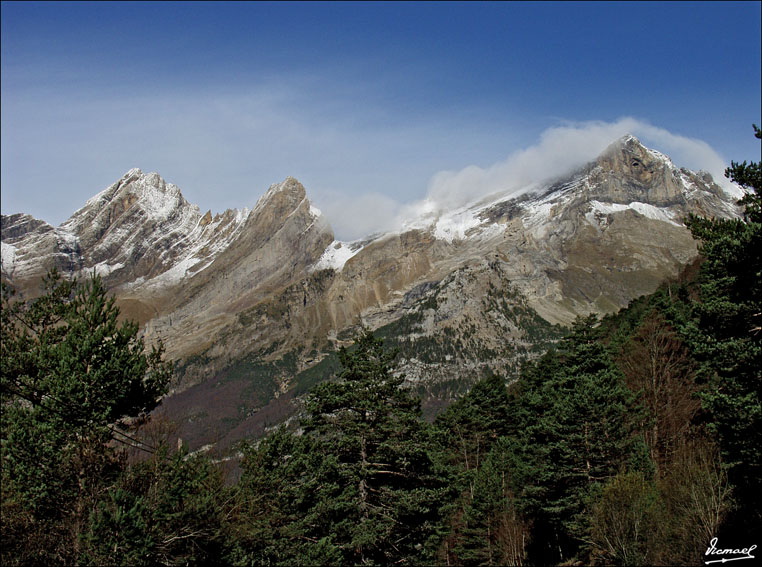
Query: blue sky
[[373, 106]]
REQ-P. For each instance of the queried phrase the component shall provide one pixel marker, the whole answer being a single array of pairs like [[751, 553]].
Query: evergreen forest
[[636, 440]]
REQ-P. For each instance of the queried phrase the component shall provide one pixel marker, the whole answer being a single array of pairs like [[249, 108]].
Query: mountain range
[[254, 303]]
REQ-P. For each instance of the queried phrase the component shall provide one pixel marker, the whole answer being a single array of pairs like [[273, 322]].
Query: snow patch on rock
[[336, 255], [454, 226], [7, 257], [104, 269], [648, 211]]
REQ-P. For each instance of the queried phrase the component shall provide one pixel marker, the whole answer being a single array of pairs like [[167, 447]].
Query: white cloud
[[560, 150], [355, 216]]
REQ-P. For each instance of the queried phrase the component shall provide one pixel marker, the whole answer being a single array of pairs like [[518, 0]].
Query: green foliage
[[66, 354], [118, 531], [492, 531], [69, 374], [384, 503], [576, 421], [360, 484], [276, 499], [166, 510], [471, 425], [467, 431], [725, 330], [748, 175]]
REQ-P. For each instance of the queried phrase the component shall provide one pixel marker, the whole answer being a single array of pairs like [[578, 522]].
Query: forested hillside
[[636, 440]]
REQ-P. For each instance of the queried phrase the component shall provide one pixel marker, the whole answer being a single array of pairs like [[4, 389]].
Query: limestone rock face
[[138, 224], [251, 303], [629, 172], [31, 247], [273, 248], [166, 261]]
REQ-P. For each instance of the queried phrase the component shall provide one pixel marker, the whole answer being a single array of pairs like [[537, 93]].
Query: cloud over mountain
[[559, 150]]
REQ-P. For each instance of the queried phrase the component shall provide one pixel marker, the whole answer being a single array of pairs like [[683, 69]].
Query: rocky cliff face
[[139, 228], [253, 303], [275, 245], [31, 247]]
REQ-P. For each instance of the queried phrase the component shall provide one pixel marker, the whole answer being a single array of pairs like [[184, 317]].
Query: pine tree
[[69, 375], [467, 431], [67, 357], [166, 510], [493, 532], [576, 419], [283, 479], [359, 484], [383, 504], [470, 427], [725, 333]]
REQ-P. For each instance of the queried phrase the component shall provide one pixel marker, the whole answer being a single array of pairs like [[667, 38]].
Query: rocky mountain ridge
[[255, 301]]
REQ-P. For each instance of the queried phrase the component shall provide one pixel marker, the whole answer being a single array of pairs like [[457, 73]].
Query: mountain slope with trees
[[636, 440]]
